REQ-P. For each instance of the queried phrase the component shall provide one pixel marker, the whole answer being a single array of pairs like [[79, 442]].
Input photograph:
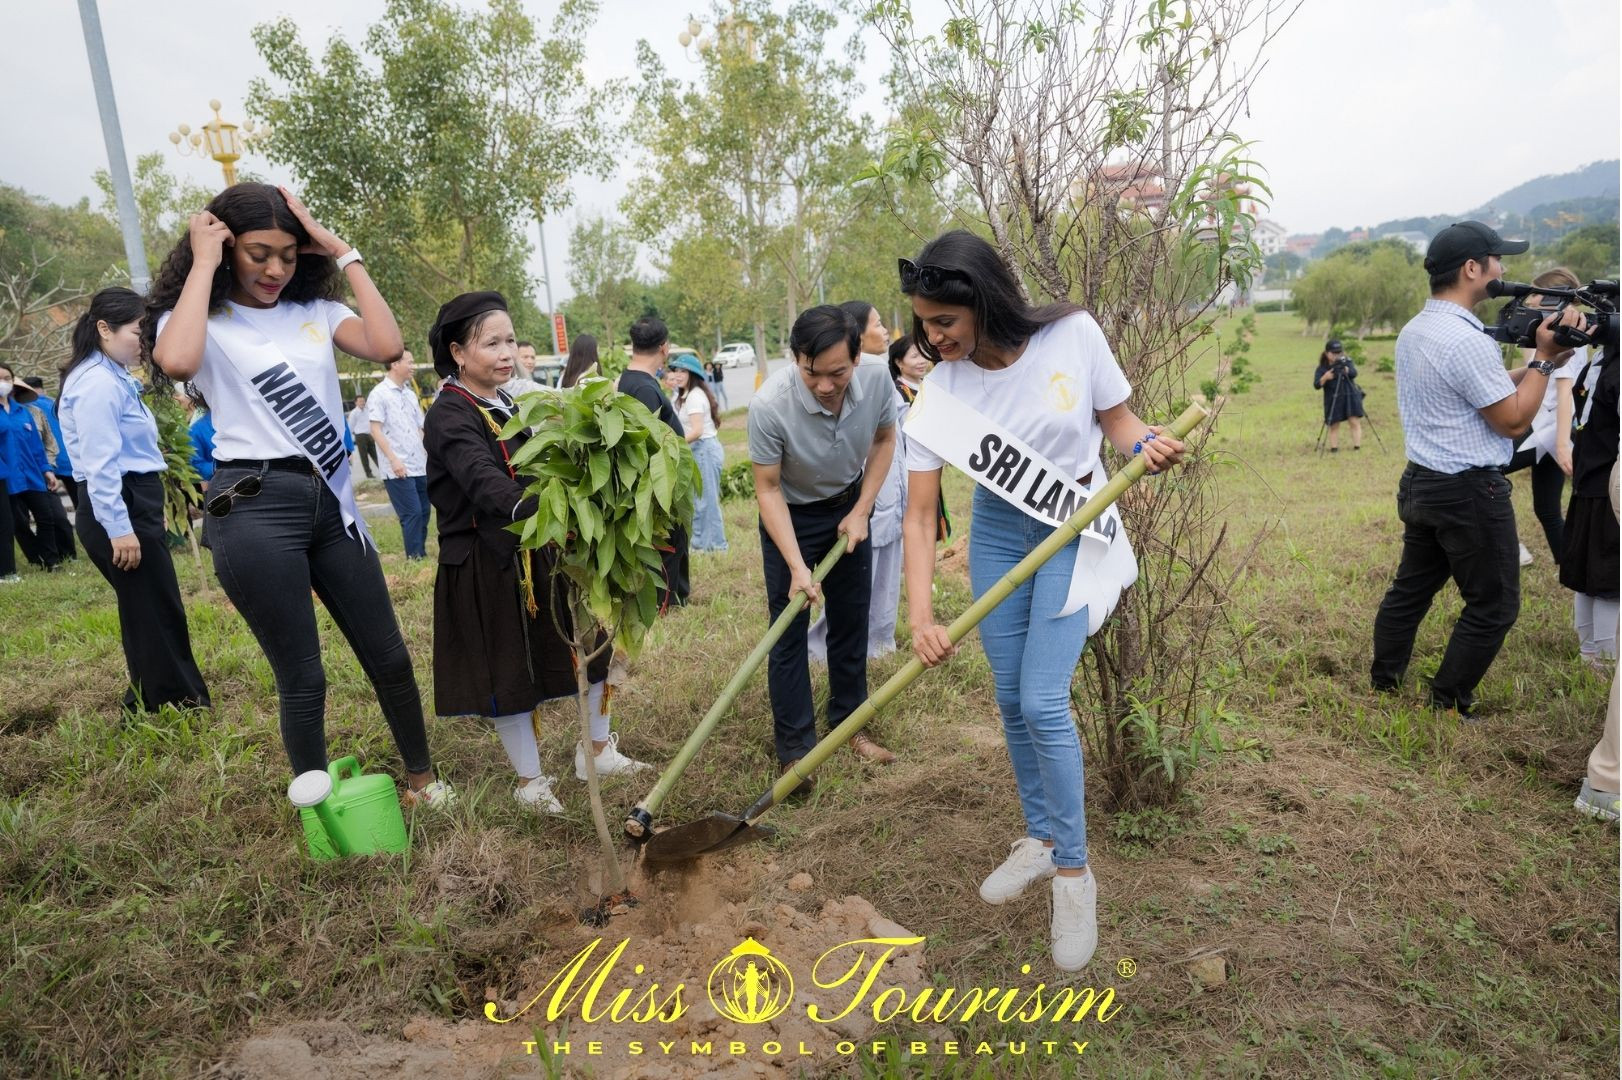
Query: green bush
[[1275, 305], [738, 481]]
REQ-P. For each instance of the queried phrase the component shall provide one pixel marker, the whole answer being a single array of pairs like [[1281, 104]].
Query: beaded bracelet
[[1137, 448]]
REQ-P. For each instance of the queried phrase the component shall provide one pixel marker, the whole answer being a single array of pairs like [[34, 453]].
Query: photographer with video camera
[[1343, 398], [1461, 412]]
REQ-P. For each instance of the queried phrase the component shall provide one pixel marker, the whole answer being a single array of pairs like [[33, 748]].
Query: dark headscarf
[[452, 321]]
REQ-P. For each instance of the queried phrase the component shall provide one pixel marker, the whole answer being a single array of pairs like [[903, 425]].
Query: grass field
[[1393, 893]]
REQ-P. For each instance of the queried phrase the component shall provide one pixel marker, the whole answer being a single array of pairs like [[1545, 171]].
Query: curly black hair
[[243, 208]]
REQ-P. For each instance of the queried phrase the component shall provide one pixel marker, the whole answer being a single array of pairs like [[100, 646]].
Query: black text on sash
[[302, 415], [1004, 467]]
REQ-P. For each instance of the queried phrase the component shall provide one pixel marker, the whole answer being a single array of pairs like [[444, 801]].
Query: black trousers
[[366, 450], [151, 617], [1548, 487], [270, 551], [49, 539], [678, 581], [1460, 526], [847, 592], [8, 533]]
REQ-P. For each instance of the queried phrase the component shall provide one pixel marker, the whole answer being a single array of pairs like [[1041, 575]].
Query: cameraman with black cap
[[1343, 398], [1460, 413]]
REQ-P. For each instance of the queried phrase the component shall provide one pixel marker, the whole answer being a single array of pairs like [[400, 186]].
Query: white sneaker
[[11, 579], [1526, 556], [1075, 921], [537, 795], [1028, 861], [610, 762]]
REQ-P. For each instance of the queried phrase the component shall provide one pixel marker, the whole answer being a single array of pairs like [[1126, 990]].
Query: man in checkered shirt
[[1461, 412]]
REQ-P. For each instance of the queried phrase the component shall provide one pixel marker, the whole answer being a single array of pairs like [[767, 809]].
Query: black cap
[[1334, 346], [453, 313], [1459, 243]]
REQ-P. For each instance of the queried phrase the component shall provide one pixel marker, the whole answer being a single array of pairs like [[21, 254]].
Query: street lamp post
[[218, 139]]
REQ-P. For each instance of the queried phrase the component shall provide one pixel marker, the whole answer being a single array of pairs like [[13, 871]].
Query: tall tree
[[602, 271], [431, 146], [164, 203], [1097, 145], [749, 153]]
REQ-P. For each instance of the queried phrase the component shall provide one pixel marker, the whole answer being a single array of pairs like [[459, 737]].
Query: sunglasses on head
[[926, 278], [247, 488]]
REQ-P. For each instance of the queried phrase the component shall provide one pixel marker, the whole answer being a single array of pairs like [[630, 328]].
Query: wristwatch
[[1542, 367], [350, 256]]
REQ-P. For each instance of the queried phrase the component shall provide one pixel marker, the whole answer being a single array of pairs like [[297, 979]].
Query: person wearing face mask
[[884, 529], [1461, 412], [244, 308], [112, 438], [821, 438], [1046, 379], [498, 650], [29, 479]]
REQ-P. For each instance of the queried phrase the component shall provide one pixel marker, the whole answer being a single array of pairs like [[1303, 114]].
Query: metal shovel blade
[[709, 834]]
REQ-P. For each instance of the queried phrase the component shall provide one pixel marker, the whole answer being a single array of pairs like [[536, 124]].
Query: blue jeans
[[709, 532], [409, 496], [1033, 657]]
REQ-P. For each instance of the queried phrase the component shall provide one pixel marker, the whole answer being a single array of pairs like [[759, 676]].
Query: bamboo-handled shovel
[[639, 822], [721, 830]]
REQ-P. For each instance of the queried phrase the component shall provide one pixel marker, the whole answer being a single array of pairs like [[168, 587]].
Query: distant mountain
[[1540, 210], [1598, 180]]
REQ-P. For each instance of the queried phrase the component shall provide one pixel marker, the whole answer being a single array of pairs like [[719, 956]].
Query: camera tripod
[[1342, 382]]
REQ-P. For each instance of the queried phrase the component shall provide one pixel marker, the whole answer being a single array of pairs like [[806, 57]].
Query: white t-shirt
[[698, 404], [400, 413], [1542, 436], [244, 427], [1049, 397]]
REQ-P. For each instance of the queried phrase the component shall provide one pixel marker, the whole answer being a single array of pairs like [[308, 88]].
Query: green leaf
[[612, 423], [663, 482], [601, 470]]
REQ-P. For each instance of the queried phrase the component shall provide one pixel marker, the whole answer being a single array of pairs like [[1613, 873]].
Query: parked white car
[[736, 354]]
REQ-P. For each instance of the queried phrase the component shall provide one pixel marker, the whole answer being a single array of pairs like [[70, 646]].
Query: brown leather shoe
[[868, 750], [805, 787]]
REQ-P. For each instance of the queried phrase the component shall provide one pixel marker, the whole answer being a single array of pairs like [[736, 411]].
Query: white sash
[[1003, 464], [265, 369]]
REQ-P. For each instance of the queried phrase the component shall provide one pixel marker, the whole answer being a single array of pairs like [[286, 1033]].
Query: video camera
[[1518, 321]]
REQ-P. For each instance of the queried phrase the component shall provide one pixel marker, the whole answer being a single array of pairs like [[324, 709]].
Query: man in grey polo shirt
[[1460, 413], [821, 435]]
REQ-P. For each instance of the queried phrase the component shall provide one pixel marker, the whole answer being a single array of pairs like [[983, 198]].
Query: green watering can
[[347, 812]]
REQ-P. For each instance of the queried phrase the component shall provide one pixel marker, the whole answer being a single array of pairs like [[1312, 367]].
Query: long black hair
[[984, 284], [582, 358], [898, 351], [243, 208], [116, 306], [703, 384]]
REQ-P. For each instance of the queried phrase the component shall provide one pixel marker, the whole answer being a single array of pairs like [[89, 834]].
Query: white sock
[[1604, 628], [600, 720], [518, 739], [1583, 618]]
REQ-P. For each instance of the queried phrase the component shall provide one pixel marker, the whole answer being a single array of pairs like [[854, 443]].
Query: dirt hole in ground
[[685, 926]]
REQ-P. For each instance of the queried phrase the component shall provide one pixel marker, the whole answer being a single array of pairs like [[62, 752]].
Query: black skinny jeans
[[269, 552], [847, 592], [1548, 487], [1460, 526]]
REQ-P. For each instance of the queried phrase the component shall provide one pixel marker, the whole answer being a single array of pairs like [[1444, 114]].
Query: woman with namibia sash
[[1019, 399], [497, 648], [245, 310]]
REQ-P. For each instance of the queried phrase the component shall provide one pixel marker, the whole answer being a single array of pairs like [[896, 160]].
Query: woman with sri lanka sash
[[1026, 394], [244, 309], [498, 652]]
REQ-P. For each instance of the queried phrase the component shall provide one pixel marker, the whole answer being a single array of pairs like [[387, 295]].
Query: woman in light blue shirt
[[112, 440]]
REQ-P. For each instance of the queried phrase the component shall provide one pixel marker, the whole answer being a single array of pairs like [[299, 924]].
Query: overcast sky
[[1366, 111]]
